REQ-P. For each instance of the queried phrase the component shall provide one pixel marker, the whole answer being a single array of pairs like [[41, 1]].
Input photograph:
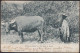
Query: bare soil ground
[[28, 38], [31, 40]]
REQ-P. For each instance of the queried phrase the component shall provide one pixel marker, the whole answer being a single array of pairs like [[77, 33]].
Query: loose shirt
[[65, 28]]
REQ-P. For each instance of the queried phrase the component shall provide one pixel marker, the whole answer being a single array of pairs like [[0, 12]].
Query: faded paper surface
[[40, 47], [57, 47]]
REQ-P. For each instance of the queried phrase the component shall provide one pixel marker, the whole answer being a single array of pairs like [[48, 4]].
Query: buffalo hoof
[[40, 41], [20, 42]]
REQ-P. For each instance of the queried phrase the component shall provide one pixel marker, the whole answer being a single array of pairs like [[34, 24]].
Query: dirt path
[[10, 44]]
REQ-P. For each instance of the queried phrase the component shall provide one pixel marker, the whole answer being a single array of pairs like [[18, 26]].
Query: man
[[64, 29]]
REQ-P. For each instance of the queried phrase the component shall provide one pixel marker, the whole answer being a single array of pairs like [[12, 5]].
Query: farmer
[[64, 29]]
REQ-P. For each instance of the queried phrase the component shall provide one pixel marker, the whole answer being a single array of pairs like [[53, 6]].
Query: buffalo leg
[[40, 31], [21, 37], [40, 35]]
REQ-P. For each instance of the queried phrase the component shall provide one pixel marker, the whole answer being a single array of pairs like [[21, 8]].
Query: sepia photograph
[[39, 26]]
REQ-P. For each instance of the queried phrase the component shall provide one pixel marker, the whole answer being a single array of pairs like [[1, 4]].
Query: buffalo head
[[10, 26]]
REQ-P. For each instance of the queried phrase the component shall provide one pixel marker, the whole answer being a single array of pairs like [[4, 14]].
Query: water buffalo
[[26, 24]]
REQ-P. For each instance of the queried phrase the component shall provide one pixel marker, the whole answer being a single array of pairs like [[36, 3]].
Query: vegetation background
[[50, 11]]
